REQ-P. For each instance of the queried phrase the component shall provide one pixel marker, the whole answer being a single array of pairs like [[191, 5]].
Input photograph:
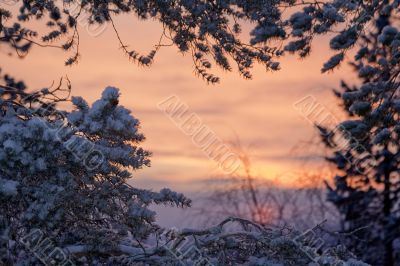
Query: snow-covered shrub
[[66, 174], [237, 241]]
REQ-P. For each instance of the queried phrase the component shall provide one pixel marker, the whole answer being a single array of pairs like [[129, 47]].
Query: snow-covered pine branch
[[209, 31]]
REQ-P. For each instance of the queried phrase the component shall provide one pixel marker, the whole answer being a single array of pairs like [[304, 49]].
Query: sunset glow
[[259, 112]]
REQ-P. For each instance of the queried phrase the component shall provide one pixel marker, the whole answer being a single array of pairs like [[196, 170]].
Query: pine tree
[[66, 174], [367, 148]]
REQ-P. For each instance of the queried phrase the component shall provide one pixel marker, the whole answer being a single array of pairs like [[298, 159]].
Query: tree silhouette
[[366, 147]]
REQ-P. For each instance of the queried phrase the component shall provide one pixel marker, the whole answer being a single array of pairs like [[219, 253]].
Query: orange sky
[[260, 111]]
